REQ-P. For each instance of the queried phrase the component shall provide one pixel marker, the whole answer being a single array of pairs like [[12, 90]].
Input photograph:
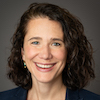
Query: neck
[[47, 91]]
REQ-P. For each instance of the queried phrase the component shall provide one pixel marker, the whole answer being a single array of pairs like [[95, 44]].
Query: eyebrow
[[57, 39], [39, 38], [34, 38]]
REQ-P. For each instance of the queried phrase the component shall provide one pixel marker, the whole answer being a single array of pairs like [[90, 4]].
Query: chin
[[44, 78]]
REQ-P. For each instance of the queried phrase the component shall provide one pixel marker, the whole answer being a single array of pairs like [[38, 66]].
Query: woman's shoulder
[[88, 95], [82, 94], [13, 94], [11, 91]]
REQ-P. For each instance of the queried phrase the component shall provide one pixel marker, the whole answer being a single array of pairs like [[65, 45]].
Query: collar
[[73, 95], [21, 94]]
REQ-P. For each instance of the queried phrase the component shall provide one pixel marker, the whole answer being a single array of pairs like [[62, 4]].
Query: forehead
[[43, 21], [44, 26]]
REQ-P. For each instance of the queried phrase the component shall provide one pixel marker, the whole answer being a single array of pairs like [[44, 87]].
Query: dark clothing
[[21, 94]]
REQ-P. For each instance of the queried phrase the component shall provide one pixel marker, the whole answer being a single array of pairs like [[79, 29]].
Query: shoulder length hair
[[78, 70]]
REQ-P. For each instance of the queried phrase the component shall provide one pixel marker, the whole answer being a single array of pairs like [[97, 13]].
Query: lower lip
[[44, 69]]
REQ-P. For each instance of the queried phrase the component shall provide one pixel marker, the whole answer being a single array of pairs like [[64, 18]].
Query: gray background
[[87, 10]]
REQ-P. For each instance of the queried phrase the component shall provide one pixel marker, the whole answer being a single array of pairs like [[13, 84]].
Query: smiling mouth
[[45, 65]]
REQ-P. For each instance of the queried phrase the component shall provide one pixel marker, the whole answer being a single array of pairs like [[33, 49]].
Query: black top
[[21, 94]]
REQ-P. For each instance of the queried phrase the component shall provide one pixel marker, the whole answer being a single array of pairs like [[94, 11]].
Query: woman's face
[[44, 50]]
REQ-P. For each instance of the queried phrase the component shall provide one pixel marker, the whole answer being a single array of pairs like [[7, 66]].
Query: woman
[[51, 58]]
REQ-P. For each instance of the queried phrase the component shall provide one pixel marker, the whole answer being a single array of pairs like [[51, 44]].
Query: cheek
[[30, 52], [60, 54]]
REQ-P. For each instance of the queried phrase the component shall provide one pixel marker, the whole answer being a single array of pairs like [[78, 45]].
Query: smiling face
[[44, 50]]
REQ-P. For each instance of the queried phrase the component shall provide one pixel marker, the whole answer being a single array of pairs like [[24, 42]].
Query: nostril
[[45, 55]]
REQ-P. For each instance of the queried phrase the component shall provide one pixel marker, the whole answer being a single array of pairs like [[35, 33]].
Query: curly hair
[[78, 70]]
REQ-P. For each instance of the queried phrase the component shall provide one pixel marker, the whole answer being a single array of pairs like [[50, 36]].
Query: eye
[[56, 44], [35, 43]]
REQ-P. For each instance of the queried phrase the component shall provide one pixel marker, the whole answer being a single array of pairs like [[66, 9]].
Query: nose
[[45, 53]]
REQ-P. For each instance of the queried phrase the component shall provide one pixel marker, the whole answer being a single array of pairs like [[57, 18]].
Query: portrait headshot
[[50, 50]]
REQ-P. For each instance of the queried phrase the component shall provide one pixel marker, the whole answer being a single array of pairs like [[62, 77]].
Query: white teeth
[[44, 66]]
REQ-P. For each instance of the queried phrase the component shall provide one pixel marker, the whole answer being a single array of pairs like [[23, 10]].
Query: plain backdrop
[[88, 11]]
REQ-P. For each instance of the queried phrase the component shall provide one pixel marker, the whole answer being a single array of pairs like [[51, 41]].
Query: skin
[[43, 45]]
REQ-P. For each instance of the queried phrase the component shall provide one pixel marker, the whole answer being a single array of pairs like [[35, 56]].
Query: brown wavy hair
[[78, 70]]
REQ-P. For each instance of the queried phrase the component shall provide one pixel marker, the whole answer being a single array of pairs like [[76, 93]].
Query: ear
[[22, 53]]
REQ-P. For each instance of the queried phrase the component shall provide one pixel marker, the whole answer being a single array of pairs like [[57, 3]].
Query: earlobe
[[22, 53]]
